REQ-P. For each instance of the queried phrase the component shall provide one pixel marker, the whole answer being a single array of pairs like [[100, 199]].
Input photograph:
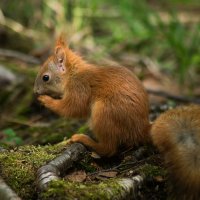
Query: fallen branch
[[59, 165], [173, 97], [6, 193], [20, 56]]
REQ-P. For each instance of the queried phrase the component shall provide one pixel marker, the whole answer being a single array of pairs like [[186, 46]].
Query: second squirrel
[[176, 133]]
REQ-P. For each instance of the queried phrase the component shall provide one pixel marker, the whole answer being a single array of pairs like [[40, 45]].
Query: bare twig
[[173, 97], [20, 56], [127, 166]]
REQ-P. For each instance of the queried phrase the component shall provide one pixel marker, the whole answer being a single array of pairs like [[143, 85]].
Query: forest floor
[[25, 122]]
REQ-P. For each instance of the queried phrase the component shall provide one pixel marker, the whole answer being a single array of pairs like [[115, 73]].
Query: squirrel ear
[[61, 41], [61, 59]]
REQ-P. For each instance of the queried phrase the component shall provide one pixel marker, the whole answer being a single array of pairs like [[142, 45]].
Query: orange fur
[[176, 133], [112, 98]]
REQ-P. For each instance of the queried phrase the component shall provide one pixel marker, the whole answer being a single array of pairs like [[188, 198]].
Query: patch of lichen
[[152, 170], [62, 190], [18, 167]]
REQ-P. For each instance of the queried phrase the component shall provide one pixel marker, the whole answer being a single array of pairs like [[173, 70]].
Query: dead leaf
[[159, 178], [77, 176], [109, 174], [95, 155]]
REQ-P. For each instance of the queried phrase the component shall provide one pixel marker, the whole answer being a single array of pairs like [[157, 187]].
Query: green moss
[[83, 129], [152, 170], [55, 132], [63, 190], [86, 164], [18, 167]]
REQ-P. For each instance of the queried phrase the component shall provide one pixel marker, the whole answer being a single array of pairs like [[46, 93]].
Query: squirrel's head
[[51, 77]]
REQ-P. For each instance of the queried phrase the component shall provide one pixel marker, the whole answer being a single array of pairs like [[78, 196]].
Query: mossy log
[[18, 168]]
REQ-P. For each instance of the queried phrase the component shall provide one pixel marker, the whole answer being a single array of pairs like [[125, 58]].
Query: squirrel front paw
[[44, 99]]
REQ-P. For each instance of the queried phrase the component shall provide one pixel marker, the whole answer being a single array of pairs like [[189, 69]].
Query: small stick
[[173, 97], [128, 165]]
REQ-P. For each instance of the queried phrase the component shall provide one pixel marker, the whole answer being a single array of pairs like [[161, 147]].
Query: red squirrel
[[112, 99], [116, 105], [176, 133]]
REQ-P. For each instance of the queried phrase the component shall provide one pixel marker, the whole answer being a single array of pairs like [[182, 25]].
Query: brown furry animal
[[176, 133], [112, 98]]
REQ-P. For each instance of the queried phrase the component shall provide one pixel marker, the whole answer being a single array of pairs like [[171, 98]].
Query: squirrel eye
[[45, 78], [60, 60]]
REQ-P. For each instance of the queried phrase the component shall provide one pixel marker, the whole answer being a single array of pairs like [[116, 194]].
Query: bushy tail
[[176, 134]]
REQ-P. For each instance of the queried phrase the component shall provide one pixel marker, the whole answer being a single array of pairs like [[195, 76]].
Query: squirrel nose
[[36, 90]]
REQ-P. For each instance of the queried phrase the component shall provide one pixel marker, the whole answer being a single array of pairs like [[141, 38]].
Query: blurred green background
[[167, 31]]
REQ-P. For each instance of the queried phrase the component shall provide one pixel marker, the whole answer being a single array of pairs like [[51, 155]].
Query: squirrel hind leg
[[101, 148]]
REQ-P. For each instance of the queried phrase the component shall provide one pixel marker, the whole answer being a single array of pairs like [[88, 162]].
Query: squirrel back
[[176, 133]]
